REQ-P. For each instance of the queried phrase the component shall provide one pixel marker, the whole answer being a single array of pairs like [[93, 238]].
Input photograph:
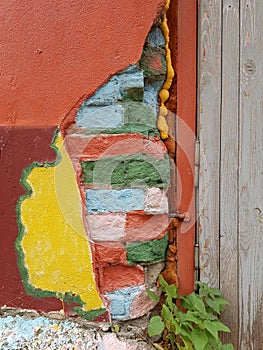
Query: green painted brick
[[139, 113], [147, 252], [149, 171], [111, 171], [128, 171], [133, 94]]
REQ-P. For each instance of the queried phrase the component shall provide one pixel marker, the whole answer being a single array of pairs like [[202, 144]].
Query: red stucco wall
[[54, 53]]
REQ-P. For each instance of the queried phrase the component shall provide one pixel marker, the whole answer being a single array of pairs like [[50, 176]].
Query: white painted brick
[[155, 201]]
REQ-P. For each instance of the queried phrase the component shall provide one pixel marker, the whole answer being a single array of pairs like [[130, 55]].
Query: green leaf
[[186, 303], [166, 313], [187, 344], [163, 283], [192, 317], [215, 292], [214, 343], [152, 295], [156, 326], [212, 317], [222, 303], [197, 303], [172, 291], [221, 327], [213, 305], [212, 328], [199, 339], [203, 289], [169, 301]]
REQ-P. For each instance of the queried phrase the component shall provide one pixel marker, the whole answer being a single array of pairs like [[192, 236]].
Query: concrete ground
[[26, 332]]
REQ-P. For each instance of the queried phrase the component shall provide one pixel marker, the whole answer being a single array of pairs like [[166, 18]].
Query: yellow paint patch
[[164, 93], [56, 249]]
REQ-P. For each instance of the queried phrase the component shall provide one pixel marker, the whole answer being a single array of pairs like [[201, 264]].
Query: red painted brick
[[120, 276], [143, 227], [108, 253]]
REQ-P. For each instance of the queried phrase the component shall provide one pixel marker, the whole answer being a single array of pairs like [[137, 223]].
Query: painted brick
[[109, 253], [131, 84], [149, 171], [141, 305], [139, 113], [116, 145], [153, 63], [75, 144], [101, 201], [147, 252], [127, 171], [120, 276], [155, 201], [143, 227], [138, 118], [106, 227], [100, 117], [108, 94], [127, 84], [156, 38], [121, 300], [150, 94], [109, 171]]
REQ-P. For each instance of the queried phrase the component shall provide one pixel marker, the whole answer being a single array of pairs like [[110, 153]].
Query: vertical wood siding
[[231, 174]]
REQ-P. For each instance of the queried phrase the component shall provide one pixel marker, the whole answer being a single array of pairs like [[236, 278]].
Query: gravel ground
[[41, 333]]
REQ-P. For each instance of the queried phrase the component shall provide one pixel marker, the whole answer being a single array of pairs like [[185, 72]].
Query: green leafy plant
[[196, 329]]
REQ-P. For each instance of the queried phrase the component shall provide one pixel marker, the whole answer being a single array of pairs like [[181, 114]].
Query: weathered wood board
[[230, 81]]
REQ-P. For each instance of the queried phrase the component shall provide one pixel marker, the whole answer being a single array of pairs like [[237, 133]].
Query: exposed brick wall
[[124, 173]]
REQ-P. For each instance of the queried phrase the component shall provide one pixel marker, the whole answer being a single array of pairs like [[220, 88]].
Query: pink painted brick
[[106, 227], [141, 304]]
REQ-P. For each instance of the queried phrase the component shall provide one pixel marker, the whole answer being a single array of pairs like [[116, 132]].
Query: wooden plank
[[229, 166], [186, 125], [251, 177], [209, 100]]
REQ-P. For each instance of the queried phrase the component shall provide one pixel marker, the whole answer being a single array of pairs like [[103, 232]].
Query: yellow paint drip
[[55, 246], [164, 93]]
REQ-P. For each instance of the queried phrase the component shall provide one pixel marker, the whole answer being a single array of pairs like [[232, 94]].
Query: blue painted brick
[[116, 88], [156, 38], [108, 94], [101, 201], [120, 302], [100, 117]]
